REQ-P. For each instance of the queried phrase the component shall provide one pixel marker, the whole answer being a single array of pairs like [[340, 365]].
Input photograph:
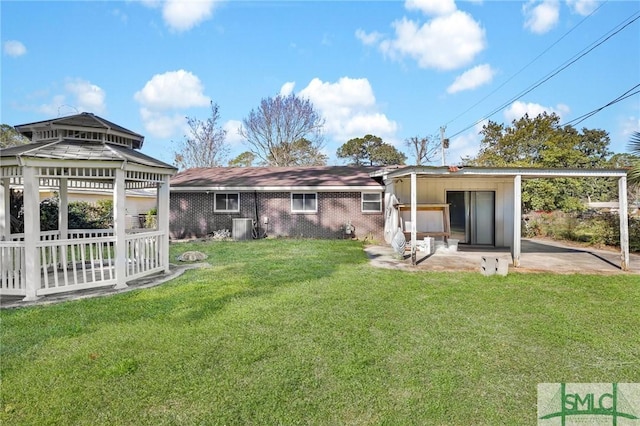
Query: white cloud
[[164, 95], [349, 108], [14, 48], [183, 15], [163, 125], [628, 126], [582, 7], [470, 79], [88, 97], [287, 88], [172, 90], [78, 96], [53, 108], [518, 109], [368, 39], [231, 127], [541, 17], [445, 43], [431, 7]]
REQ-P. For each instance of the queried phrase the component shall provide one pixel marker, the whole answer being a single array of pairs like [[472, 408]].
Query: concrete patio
[[537, 256]]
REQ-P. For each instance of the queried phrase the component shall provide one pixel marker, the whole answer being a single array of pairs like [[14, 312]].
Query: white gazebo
[[82, 151]]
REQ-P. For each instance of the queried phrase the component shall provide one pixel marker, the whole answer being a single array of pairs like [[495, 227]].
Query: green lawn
[[306, 332]]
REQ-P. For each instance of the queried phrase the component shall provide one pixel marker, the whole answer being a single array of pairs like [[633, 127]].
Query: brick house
[[315, 202], [476, 206]]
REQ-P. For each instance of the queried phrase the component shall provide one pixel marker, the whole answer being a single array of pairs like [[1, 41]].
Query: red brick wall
[[192, 215]]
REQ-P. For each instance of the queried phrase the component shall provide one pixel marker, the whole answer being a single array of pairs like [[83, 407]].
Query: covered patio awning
[[516, 175]]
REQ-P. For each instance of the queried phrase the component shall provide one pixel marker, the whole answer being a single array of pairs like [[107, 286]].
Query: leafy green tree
[[370, 150], [273, 131], [634, 146], [542, 142], [205, 145], [245, 159], [10, 137]]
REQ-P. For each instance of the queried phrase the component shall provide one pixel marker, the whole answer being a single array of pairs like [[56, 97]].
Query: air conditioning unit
[[242, 229]]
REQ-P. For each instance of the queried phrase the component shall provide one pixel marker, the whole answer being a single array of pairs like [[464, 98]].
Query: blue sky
[[389, 68]]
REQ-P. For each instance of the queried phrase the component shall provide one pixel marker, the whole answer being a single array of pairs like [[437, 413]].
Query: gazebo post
[[119, 228], [31, 232], [163, 221]]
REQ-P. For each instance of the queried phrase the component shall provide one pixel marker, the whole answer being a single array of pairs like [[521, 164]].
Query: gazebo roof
[[77, 150], [85, 120]]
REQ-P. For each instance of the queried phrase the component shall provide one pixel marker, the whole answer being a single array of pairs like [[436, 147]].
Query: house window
[[227, 202], [372, 202], [304, 202]]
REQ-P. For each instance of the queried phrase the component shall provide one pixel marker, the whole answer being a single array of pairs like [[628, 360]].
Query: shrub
[[84, 215], [593, 228], [150, 219]]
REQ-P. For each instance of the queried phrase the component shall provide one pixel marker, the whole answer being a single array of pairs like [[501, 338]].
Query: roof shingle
[[235, 177]]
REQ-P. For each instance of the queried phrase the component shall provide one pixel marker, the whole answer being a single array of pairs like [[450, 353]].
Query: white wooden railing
[[71, 233], [75, 264], [143, 251], [85, 259], [12, 278]]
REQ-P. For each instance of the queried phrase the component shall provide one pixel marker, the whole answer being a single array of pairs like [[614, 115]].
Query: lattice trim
[[77, 172], [11, 171], [144, 176]]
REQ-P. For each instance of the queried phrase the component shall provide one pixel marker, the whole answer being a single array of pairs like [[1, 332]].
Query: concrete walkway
[[537, 256]]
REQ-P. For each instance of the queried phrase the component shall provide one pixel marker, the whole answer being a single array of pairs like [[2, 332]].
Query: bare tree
[[205, 145], [274, 129], [423, 149]]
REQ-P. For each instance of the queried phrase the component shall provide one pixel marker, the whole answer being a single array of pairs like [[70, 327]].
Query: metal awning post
[[517, 220], [414, 216], [624, 223]]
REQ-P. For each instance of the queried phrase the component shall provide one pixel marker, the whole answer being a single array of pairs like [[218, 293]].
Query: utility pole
[[444, 144]]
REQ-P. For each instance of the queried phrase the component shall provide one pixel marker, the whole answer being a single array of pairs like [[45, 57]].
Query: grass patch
[[306, 332]]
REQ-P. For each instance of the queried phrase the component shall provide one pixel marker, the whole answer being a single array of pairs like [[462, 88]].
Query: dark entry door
[[472, 215]]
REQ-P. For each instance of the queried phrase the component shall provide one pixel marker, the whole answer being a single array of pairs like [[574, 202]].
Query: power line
[[527, 65], [628, 21], [583, 117]]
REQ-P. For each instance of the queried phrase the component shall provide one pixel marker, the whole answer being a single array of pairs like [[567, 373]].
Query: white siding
[[434, 190]]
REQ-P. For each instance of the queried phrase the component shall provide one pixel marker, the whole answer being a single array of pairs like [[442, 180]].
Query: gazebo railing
[[143, 251], [71, 233], [85, 259], [75, 264], [12, 267]]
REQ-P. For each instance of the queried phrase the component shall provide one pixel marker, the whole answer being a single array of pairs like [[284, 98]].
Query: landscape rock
[[192, 256]]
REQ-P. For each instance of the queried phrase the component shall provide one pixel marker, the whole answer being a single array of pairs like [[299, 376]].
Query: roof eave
[[499, 172]]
